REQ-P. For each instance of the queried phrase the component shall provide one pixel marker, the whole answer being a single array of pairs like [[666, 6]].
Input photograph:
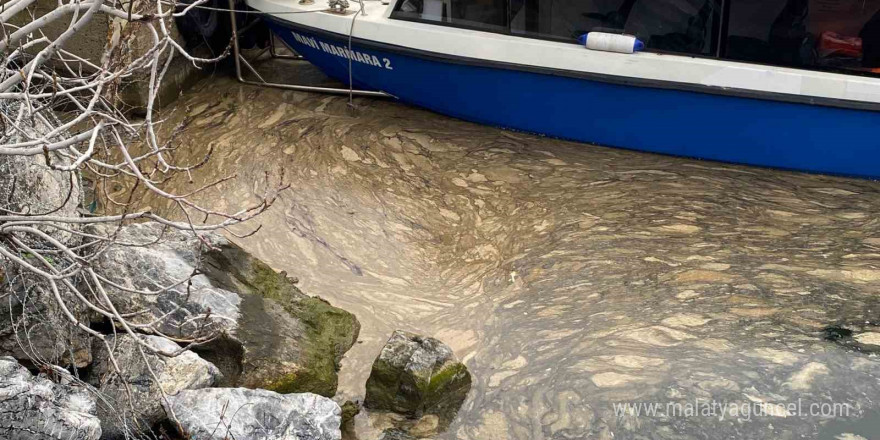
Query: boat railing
[[241, 60]]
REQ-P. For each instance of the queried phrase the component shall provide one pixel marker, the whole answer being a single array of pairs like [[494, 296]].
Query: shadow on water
[[570, 278]]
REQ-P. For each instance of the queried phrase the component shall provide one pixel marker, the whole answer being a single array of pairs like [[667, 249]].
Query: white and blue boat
[[791, 84]]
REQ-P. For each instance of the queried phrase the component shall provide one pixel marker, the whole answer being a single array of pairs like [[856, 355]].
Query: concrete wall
[[126, 41], [90, 41]]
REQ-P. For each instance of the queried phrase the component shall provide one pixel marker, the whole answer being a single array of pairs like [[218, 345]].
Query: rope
[[350, 76]]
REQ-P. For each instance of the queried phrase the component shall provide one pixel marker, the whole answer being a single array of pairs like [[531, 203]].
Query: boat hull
[[754, 131]]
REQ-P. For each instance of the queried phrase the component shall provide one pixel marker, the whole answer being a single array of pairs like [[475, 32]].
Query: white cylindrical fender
[[611, 42]]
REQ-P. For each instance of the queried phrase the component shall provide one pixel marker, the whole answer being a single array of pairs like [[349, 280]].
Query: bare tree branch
[[55, 250]]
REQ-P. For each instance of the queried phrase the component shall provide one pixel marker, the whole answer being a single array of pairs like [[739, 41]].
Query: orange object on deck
[[834, 44]]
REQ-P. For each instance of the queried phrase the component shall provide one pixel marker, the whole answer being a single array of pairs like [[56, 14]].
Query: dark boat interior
[[828, 35]]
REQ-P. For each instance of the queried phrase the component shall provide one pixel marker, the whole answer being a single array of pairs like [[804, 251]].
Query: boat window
[[836, 35], [814, 34], [684, 26], [488, 15]]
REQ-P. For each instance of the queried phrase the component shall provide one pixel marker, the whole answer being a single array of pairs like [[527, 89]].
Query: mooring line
[[350, 76]]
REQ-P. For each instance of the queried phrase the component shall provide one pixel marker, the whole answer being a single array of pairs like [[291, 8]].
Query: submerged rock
[[857, 336], [274, 336], [35, 408], [395, 434], [244, 414], [349, 411], [416, 375], [135, 413]]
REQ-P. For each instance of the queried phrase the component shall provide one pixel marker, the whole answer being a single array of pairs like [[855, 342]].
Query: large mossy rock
[[274, 336], [293, 342], [416, 375], [244, 414]]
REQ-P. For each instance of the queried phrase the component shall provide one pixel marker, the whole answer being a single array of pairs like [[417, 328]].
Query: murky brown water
[[569, 277]]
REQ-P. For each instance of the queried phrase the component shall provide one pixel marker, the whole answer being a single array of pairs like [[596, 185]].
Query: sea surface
[[583, 286]]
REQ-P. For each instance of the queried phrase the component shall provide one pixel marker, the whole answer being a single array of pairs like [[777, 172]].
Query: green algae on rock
[[416, 375], [349, 411], [292, 343]]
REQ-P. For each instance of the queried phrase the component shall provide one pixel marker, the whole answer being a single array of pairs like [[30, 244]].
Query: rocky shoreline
[[205, 342]]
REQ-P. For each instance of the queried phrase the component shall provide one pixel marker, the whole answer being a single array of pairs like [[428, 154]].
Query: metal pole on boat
[[723, 27], [239, 59]]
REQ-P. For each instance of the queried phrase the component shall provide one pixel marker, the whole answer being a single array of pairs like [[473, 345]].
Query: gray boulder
[[135, 413], [35, 408], [32, 324], [245, 414], [416, 375], [192, 306], [275, 336], [30, 185]]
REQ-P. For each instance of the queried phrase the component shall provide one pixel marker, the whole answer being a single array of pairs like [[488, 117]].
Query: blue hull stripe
[[661, 120]]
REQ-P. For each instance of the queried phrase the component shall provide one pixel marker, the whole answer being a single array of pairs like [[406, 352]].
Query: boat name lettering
[[344, 52]]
